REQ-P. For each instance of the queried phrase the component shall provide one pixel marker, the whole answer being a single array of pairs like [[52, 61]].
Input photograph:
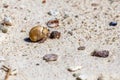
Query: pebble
[[112, 23], [70, 32], [37, 64], [76, 74], [94, 4], [7, 21], [50, 57], [81, 77], [43, 1], [81, 48], [22, 30], [53, 23], [55, 35], [3, 29], [103, 53], [5, 5], [74, 68]]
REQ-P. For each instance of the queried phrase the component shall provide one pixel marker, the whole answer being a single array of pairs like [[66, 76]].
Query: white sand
[[91, 29]]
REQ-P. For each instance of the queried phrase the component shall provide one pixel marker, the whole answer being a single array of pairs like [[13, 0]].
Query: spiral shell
[[38, 33]]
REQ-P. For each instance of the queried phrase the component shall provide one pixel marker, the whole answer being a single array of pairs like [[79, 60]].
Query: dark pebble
[[37, 64], [70, 32], [103, 53], [50, 57], [112, 23], [5, 5], [55, 35], [81, 48]]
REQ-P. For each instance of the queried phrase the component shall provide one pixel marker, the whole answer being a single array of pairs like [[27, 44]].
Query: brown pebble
[[44, 1], [103, 53], [5, 30], [53, 23], [94, 4], [55, 34], [70, 32], [81, 48], [22, 30], [5, 5], [50, 57]]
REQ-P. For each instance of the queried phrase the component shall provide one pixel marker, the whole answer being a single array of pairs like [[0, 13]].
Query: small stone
[[25, 18], [55, 34], [5, 30], [7, 21], [112, 23], [76, 16], [70, 32], [81, 48], [94, 4], [22, 30], [76, 74], [81, 77], [103, 53], [5, 5], [53, 23], [43, 1], [50, 57], [75, 68], [37, 64], [65, 16], [100, 77]]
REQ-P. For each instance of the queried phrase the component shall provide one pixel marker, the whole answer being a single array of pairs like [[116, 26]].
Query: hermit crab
[[39, 33]]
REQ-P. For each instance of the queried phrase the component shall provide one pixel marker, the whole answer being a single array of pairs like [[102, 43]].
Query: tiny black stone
[[37, 64], [112, 23]]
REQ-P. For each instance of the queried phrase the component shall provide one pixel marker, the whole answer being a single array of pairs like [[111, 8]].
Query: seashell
[[74, 68], [53, 23], [38, 33]]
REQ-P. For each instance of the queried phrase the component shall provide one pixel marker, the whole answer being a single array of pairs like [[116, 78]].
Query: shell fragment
[[75, 68]]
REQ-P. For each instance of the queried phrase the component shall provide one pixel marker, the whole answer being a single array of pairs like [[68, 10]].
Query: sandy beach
[[83, 23]]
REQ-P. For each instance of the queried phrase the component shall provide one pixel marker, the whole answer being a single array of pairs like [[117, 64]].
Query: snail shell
[[38, 33]]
